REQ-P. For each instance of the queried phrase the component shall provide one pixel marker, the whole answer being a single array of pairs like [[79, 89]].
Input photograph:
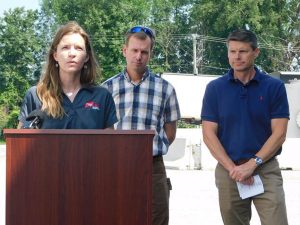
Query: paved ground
[[194, 196]]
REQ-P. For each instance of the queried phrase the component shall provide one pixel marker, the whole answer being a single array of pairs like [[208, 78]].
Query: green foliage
[[19, 43], [268, 19], [108, 21], [8, 119], [183, 124], [174, 21], [19, 59], [3, 118], [105, 21], [170, 18], [25, 36], [12, 119]]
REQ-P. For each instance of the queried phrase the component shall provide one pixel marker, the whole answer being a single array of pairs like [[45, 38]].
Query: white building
[[190, 152]]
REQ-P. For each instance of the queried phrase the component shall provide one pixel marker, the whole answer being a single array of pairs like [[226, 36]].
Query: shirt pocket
[[156, 108]]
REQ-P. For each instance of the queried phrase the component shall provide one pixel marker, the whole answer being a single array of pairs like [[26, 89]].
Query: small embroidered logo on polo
[[92, 105]]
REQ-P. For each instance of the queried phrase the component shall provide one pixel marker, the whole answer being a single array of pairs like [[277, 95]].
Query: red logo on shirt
[[91, 105]]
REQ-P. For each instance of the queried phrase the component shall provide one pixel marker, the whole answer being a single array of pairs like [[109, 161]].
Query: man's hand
[[244, 173]]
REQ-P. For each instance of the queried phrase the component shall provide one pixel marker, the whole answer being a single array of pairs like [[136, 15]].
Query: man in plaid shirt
[[146, 101]]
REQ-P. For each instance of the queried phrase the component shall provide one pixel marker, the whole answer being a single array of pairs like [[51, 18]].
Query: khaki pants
[[161, 187], [270, 205]]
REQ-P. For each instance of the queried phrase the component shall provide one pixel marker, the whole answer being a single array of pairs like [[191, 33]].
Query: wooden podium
[[78, 177]]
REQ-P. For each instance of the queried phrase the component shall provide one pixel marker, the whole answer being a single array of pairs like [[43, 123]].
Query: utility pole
[[200, 50], [195, 69]]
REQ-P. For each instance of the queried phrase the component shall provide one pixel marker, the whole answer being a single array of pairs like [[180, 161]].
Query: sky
[[7, 4]]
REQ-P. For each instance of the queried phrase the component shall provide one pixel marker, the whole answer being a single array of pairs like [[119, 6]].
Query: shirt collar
[[145, 75], [257, 77], [89, 88]]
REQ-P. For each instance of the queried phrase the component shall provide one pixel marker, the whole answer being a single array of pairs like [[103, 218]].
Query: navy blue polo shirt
[[92, 108], [244, 112]]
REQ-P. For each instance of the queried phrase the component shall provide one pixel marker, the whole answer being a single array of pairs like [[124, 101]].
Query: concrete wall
[[196, 155], [293, 93], [190, 90]]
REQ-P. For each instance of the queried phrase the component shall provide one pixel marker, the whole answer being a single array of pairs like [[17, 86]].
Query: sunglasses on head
[[146, 30]]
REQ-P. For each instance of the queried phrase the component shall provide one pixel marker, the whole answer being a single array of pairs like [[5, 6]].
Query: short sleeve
[[30, 103], [110, 110], [280, 106], [172, 111], [209, 109]]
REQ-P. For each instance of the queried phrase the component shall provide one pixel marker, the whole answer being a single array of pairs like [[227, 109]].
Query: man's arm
[[214, 145], [268, 150], [170, 130], [275, 141]]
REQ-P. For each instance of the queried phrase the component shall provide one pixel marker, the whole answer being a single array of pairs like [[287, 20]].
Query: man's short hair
[[243, 35], [141, 33]]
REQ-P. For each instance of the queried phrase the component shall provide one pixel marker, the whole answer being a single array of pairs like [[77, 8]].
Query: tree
[[293, 28], [105, 21], [108, 21], [268, 19], [19, 58], [171, 19]]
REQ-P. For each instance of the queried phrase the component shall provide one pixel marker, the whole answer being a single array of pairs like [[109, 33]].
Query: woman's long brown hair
[[49, 88]]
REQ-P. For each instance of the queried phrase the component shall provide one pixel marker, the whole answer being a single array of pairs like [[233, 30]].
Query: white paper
[[247, 191]]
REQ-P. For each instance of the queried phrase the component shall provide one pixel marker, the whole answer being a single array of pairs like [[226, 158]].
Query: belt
[[242, 161], [157, 158]]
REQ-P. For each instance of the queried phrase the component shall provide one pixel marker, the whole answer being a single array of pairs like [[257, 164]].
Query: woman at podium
[[67, 97]]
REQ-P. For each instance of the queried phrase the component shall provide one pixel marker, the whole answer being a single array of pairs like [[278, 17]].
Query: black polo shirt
[[92, 108]]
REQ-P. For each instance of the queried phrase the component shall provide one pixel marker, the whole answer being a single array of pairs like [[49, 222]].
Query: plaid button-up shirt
[[147, 105]]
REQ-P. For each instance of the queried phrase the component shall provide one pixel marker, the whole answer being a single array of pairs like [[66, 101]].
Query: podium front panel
[[80, 178]]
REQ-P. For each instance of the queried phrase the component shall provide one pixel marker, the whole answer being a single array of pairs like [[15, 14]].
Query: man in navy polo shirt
[[145, 101], [245, 115]]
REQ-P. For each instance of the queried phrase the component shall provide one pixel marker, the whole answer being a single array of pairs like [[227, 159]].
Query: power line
[[188, 37]]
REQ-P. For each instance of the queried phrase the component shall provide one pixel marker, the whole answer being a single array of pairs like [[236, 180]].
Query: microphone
[[36, 118]]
